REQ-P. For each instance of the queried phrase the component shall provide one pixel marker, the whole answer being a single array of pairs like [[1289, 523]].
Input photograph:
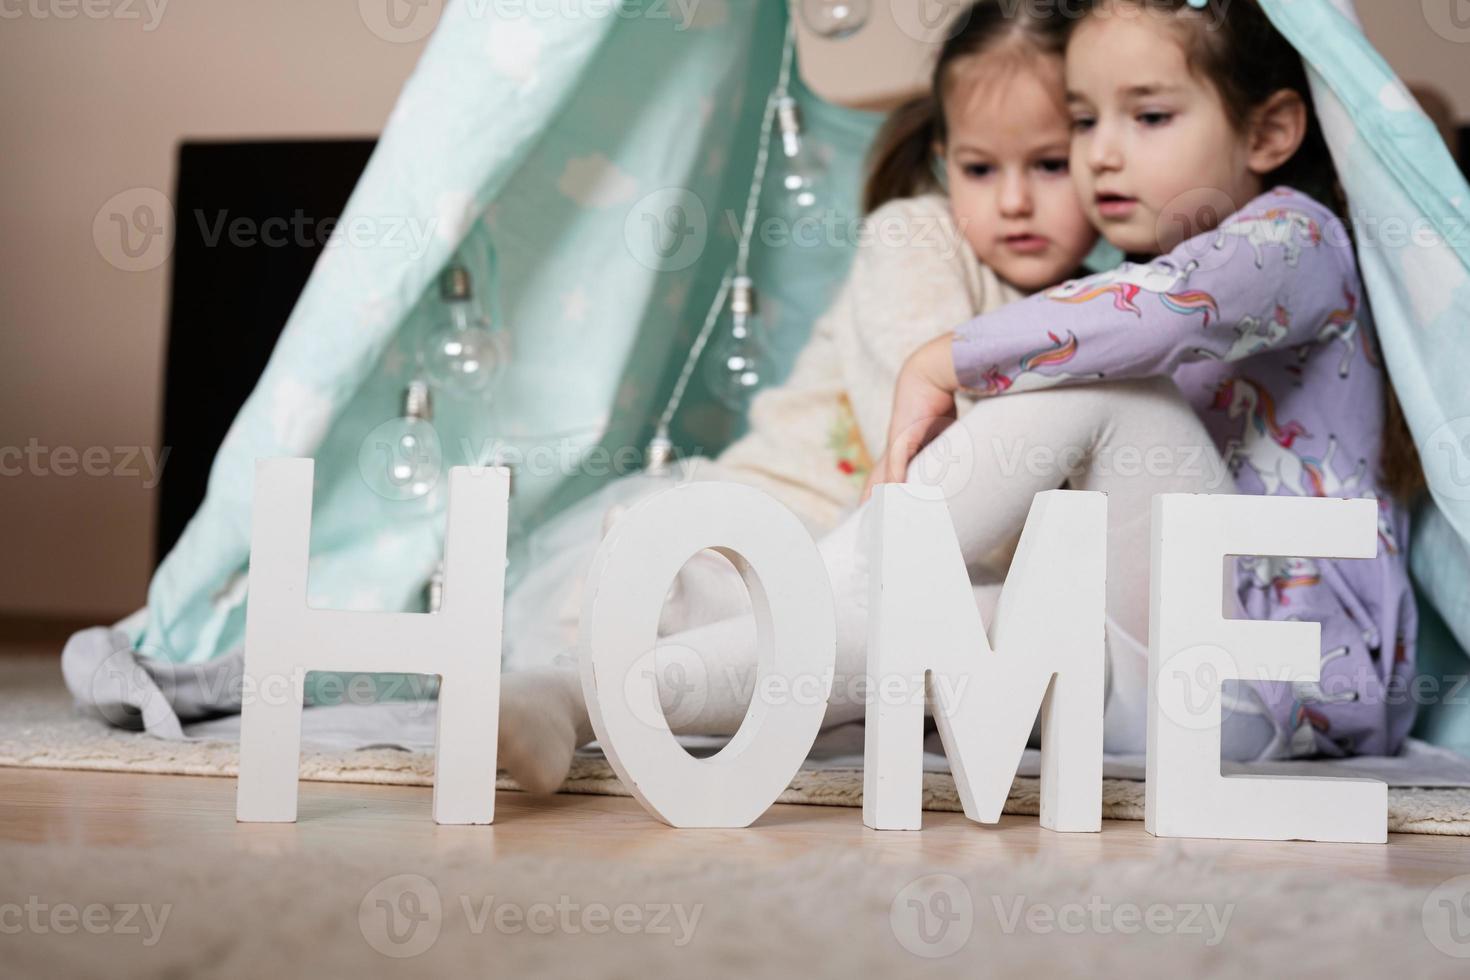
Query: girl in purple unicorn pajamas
[[1259, 322]]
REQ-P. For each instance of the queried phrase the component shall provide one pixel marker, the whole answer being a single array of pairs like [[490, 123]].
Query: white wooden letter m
[[1043, 653]]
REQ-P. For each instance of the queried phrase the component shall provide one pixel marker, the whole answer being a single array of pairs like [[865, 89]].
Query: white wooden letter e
[[1193, 647]]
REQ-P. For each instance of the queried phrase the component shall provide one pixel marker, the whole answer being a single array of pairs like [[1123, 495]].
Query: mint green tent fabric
[[543, 152], [1441, 689], [1411, 215]]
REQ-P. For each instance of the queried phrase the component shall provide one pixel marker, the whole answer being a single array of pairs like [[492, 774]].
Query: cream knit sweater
[[812, 440]]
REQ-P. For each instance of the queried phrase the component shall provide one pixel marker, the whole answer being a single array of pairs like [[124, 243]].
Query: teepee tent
[[590, 172], [1411, 215]]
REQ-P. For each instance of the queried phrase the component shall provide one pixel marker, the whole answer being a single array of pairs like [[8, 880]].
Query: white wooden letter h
[[285, 638]]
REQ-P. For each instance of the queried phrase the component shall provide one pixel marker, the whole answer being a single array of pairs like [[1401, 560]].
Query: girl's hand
[[923, 407]]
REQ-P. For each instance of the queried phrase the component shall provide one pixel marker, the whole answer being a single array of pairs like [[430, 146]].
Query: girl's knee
[[1153, 391]]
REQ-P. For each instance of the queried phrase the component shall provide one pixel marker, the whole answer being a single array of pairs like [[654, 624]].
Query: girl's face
[[1007, 172], [1154, 153]]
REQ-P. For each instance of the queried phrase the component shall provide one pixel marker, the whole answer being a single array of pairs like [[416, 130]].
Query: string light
[[746, 352], [464, 353]]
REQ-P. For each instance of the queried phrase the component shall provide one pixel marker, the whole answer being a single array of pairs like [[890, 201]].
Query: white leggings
[[1130, 440]]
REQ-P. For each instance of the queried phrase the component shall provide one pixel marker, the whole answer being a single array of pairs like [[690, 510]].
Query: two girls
[[1237, 342]]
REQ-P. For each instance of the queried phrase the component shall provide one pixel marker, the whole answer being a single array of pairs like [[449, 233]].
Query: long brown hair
[[901, 162], [1234, 45]]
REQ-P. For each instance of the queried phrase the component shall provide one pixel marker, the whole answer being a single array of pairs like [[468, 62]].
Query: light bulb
[[464, 353], [835, 19], [737, 366], [401, 459], [800, 174]]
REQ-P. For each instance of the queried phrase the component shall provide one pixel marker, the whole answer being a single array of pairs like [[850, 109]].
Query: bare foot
[[542, 721]]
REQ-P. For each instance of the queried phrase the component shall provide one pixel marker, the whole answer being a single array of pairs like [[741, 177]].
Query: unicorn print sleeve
[[1278, 273], [1260, 325]]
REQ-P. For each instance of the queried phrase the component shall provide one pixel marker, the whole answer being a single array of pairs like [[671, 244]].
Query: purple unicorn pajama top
[[1262, 324]]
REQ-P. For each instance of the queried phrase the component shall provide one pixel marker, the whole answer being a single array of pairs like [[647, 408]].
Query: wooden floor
[[101, 810], [125, 810]]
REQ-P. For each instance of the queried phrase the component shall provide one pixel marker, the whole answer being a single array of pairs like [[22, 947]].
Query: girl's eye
[[1154, 118], [1081, 124], [1058, 165], [978, 170]]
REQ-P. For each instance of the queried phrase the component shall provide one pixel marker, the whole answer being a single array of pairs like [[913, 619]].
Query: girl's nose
[[1015, 195], [1103, 153]]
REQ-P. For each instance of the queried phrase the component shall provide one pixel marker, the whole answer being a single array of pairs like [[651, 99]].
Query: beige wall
[[94, 107], [1404, 31]]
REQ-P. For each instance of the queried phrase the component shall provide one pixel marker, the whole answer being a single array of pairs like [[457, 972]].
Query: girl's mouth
[[1115, 205], [1026, 244]]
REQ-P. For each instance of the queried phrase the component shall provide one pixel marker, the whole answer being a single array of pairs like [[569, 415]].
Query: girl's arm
[[1270, 276], [923, 406], [907, 286]]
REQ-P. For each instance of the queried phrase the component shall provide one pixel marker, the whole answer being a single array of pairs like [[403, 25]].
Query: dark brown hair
[[1234, 46], [901, 162]]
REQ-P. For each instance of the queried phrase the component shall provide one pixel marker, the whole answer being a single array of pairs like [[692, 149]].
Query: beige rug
[[466, 911], [40, 729]]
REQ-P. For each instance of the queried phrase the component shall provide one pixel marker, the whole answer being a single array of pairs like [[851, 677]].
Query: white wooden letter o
[[796, 642]]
